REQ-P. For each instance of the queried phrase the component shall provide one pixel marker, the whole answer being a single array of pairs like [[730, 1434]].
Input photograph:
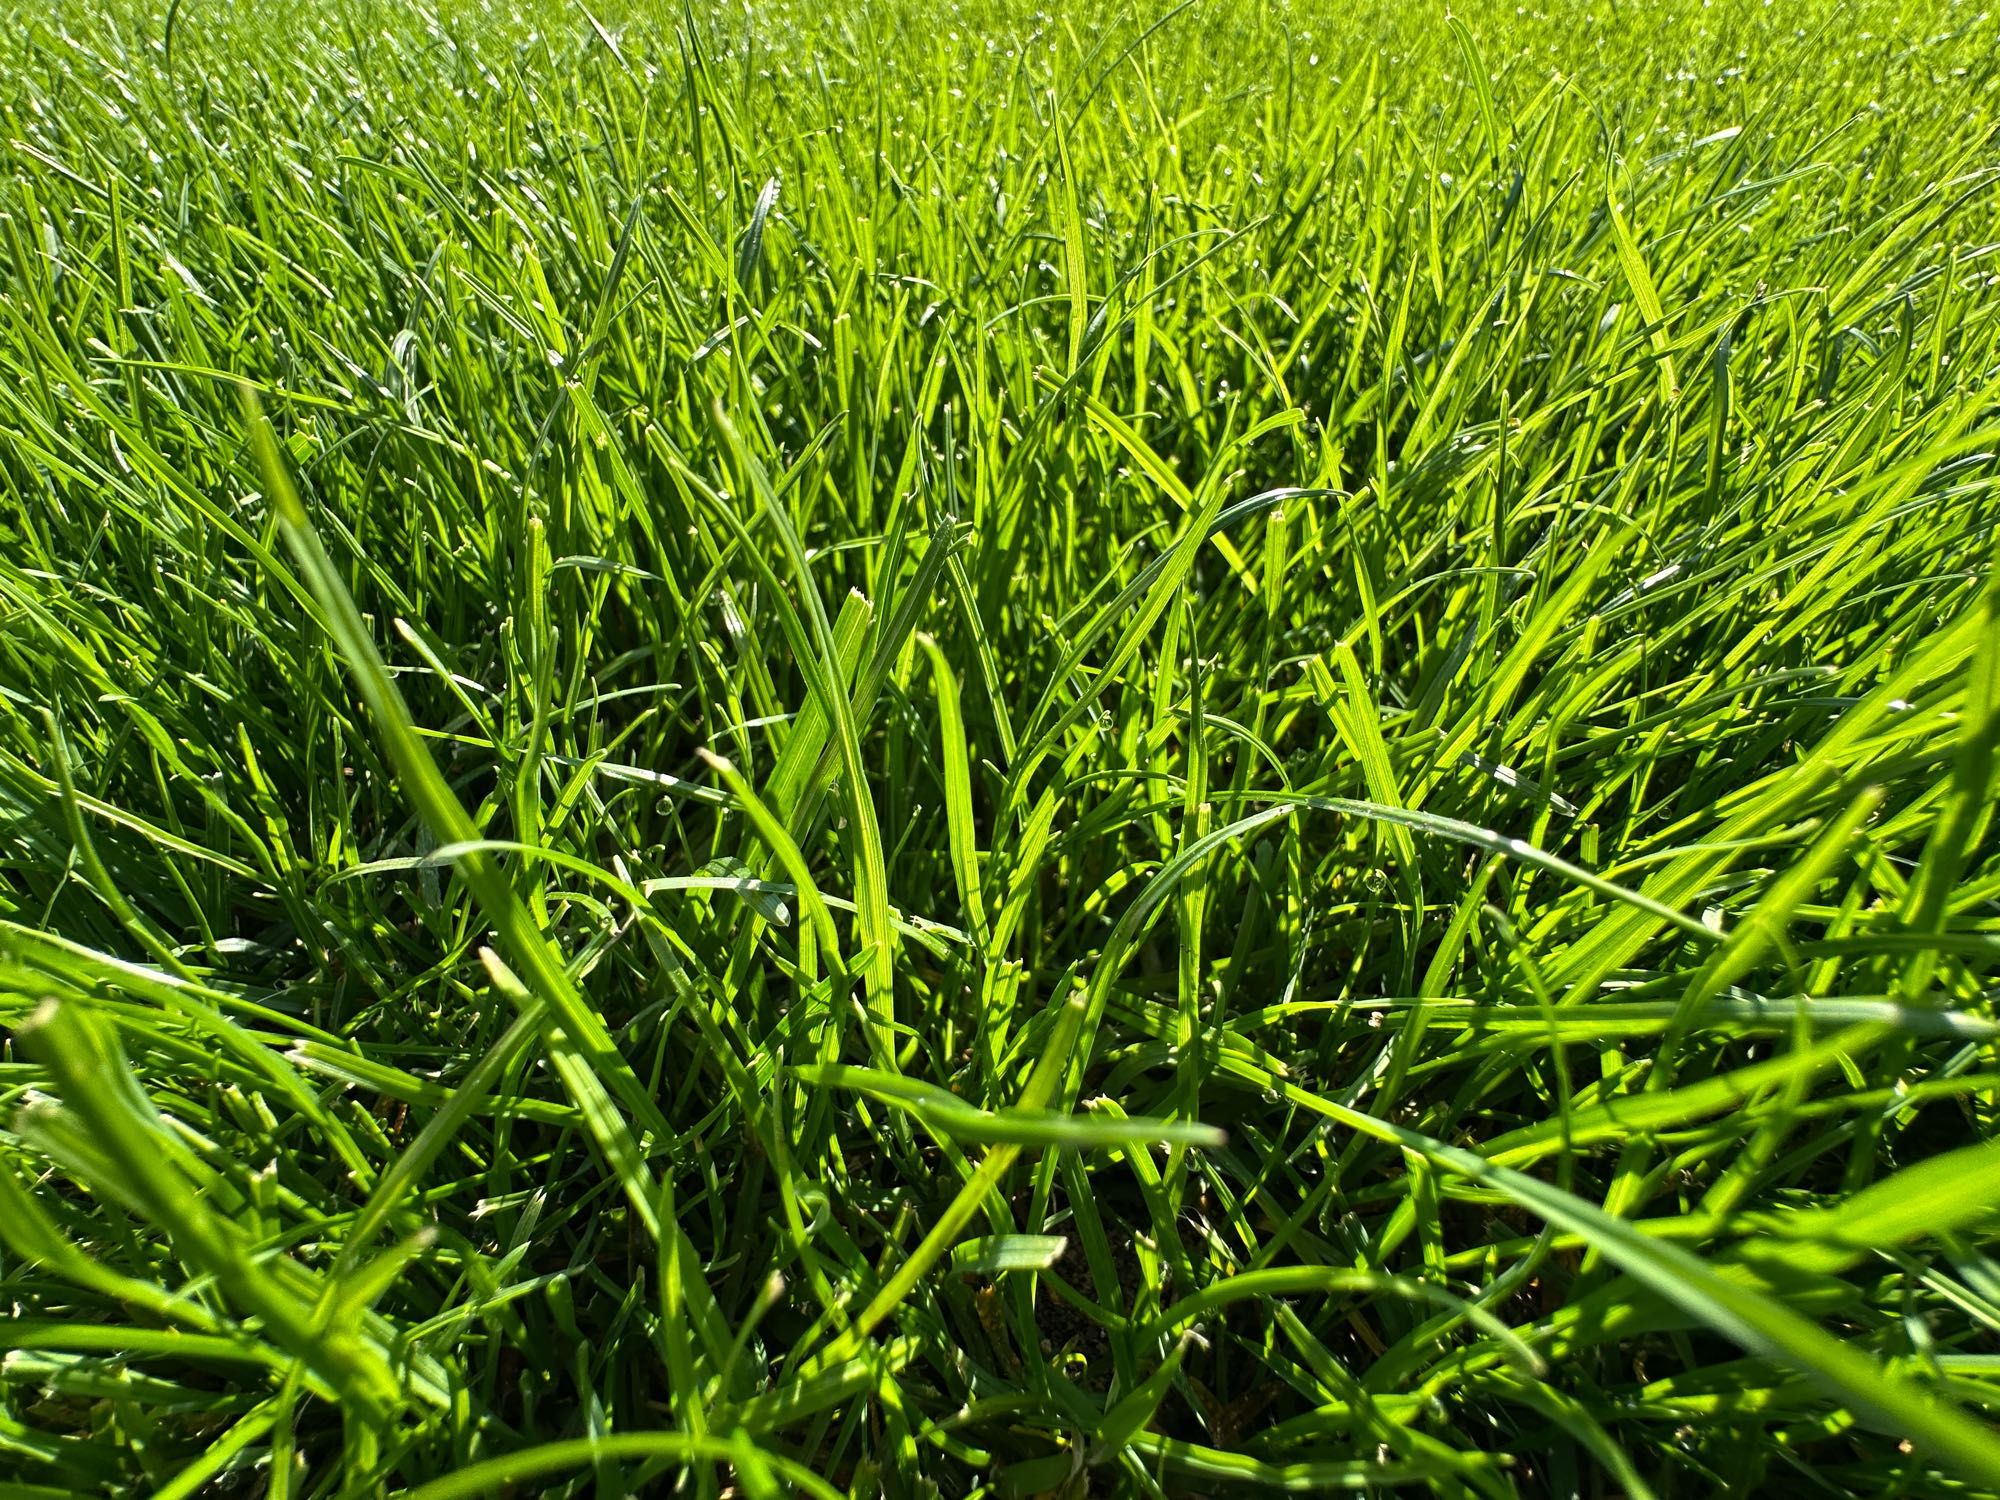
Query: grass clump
[[857, 748]]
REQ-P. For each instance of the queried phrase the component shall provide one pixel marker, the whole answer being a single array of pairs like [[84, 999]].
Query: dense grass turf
[[975, 751]]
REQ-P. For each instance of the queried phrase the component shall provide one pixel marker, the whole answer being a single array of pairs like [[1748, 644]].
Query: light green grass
[[863, 748]]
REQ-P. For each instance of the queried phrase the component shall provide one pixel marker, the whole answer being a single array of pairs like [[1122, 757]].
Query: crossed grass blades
[[875, 748]]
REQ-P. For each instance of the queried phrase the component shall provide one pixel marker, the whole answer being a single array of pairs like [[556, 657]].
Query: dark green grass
[[860, 748]]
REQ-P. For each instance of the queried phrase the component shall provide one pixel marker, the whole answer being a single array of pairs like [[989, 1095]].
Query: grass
[[860, 748]]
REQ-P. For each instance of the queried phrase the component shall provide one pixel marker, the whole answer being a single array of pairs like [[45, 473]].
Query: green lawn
[[962, 750]]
